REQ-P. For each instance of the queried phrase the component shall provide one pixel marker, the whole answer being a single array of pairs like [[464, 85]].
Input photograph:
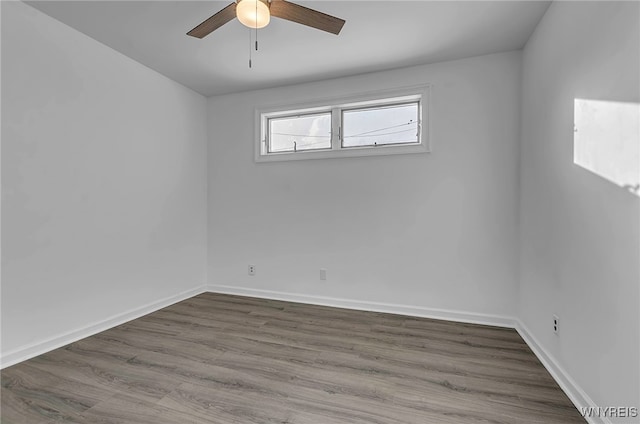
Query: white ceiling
[[378, 35]]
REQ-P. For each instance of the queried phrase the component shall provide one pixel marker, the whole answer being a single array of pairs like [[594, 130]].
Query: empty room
[[320, 212]]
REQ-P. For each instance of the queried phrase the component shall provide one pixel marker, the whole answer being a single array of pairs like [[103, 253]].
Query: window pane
[[380, 125], [297, 133]]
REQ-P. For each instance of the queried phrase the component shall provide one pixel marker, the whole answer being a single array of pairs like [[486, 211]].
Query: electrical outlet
[[252, 270], [323, 274], [556, 324]]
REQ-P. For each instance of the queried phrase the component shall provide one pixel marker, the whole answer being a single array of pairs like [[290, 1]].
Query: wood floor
[[230, 359]]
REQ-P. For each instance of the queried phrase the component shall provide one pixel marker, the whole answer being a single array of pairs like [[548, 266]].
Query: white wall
[[103, 183], [580, 233], [432, 230]]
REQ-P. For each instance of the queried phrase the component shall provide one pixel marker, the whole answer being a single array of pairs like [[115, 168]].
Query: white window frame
[[336, 106]]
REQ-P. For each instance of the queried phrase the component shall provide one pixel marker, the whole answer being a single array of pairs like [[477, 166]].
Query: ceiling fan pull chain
[[257, 25], [249, 48]]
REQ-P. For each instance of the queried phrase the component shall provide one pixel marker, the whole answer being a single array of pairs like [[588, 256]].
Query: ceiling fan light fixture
[[253, 13]]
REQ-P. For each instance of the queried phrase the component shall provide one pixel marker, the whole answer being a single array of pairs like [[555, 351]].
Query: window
[[383, 123], [299, 133]]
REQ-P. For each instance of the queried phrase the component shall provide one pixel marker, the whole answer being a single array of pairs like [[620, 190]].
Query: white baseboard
[[391, 308], [578, 396], [38, 348]]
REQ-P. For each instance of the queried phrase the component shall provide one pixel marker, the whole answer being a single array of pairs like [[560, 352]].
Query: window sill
[[344, 153]]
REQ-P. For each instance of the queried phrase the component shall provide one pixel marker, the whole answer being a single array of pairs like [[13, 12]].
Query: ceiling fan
[[256, 14]]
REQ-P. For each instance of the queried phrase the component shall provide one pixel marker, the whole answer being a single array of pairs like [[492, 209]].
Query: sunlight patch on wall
[[606, 141]]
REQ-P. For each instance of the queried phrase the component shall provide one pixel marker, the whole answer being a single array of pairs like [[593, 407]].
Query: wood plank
[[230, 359]]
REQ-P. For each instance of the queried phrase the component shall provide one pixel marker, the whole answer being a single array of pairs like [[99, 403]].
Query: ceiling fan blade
[[214, 22], [305, 16]]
